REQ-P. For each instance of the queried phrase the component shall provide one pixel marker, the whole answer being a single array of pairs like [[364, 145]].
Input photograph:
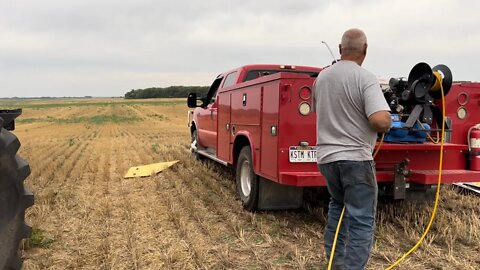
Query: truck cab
[[257, 107]]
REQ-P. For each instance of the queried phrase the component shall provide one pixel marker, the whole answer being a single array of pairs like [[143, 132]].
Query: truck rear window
[[253, 74]]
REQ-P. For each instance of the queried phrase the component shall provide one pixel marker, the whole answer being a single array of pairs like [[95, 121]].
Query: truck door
[[224, 135], [207, 118], [224, 132]]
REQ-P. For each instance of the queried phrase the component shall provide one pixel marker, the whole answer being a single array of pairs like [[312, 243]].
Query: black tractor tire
[[14, 199], [246, 180]]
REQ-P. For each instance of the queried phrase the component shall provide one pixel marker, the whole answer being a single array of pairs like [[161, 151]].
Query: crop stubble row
[[186, 217]]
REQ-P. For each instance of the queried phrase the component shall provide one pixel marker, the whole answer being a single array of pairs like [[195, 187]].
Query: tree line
[[166, 92]]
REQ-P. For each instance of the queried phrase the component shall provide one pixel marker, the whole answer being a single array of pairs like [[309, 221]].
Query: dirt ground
[[86, 216]]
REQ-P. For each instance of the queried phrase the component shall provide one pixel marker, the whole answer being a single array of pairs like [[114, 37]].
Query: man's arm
[[380, 121]]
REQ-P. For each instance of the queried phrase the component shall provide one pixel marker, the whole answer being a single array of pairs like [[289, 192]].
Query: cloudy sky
[[107, 47]]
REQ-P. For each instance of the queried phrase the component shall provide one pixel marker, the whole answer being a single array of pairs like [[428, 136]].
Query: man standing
[[351, 110]]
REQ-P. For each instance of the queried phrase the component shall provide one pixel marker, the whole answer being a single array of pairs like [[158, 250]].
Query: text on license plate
[[304, 154]]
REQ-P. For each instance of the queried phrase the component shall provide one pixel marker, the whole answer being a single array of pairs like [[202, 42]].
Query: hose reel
[[412, 100]]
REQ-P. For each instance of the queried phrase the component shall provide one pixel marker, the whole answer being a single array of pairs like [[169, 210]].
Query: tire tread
[[14, 170]]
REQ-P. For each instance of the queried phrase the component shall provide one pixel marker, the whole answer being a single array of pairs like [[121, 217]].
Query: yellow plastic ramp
[[147, 170]]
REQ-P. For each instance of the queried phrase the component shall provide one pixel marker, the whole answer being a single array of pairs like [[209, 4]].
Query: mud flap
[[273, 196]]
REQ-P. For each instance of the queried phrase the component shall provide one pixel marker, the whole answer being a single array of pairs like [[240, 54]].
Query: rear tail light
[[305, 93]]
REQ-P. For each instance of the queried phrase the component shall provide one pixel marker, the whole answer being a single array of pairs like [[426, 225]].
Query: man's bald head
[[353, 41], [353, 44]]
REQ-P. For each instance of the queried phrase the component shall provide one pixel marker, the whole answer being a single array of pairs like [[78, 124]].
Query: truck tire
[[247, 180], [14, 199], [194, 146]]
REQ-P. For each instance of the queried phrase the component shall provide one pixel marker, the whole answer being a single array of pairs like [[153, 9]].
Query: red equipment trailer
[[259, 119]]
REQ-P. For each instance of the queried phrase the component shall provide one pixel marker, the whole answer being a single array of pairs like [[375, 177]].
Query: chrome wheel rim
[[245, 179]]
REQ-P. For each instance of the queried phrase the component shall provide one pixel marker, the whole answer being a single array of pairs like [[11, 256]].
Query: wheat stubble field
[[86, 216]]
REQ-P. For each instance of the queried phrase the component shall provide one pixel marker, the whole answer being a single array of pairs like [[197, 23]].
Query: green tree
[[166, 92]]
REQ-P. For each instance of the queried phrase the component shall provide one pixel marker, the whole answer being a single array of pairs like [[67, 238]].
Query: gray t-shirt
[[345, 96]]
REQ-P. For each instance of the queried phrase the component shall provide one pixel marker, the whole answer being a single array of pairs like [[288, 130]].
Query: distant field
[[86, 216]]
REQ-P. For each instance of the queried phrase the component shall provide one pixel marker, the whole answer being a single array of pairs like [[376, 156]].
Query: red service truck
[[260, 120]]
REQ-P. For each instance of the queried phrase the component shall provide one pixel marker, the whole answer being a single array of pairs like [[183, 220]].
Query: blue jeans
[[351, 184]]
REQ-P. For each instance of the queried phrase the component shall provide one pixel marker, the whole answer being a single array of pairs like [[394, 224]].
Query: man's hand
[[380, 121]]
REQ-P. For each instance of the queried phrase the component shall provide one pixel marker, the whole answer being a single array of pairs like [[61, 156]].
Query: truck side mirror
[[193, 102]]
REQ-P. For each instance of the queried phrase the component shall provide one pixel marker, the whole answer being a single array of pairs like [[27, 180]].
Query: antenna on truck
[[331, 53]]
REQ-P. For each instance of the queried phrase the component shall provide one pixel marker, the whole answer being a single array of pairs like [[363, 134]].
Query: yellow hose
[[379, 145], [437, 195], [332, 253], [428, 135], [339, 224]]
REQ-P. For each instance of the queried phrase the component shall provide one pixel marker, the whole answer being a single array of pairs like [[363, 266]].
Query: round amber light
[[462, 113], [304, 108]]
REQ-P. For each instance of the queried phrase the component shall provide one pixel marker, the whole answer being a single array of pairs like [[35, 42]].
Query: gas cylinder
[[474, 137]]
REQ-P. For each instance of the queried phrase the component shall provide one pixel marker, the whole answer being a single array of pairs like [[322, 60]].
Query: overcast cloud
[[107, 47]]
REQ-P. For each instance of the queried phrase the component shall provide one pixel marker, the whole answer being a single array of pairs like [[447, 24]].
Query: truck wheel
[[247, 180], [194, 146], [14, 199]]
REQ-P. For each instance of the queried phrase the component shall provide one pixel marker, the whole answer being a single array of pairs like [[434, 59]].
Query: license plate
[[302, 154]]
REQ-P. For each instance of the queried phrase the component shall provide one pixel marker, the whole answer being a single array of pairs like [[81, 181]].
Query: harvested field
[[86, 216]]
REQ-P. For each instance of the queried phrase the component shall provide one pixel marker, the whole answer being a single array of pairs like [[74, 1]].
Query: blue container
[[399, 134]]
